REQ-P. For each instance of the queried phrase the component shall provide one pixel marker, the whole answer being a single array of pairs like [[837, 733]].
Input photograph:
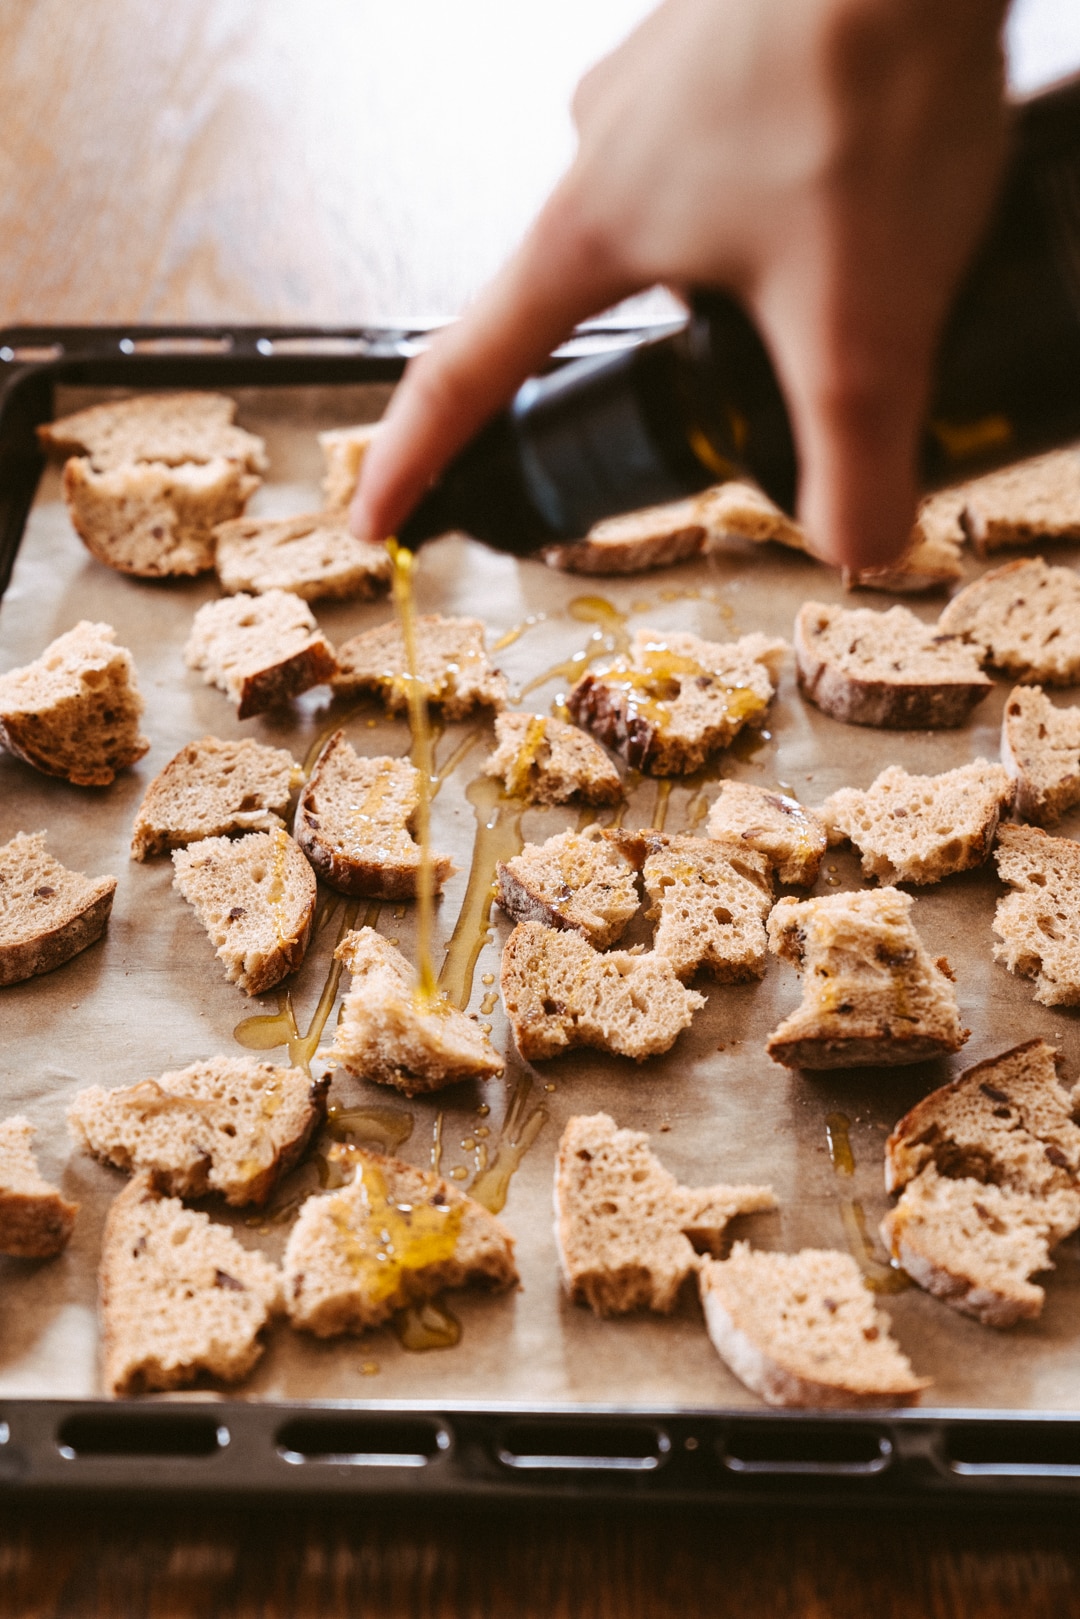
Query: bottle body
[[702, 404]]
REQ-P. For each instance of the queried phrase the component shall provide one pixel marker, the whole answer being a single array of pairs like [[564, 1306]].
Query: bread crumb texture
[[313, 556], [791, 837], [452, 666], [1036, 923], [580, 881], [919, 829], [1024, 619], [47, 913], [1033, 500], [35, 1219], [211, 788], [1040, 748], [709, 901], [259, 650], [546, 761]]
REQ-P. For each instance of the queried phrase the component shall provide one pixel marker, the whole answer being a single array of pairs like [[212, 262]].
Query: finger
[[561, 273]]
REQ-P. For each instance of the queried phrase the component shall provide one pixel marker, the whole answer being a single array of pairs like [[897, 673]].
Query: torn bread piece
[[709, 903], [355, 822], [546, 761], [1040, 748], [259, 650], [582, 881], [559, 992], [790, 836], [389, 1034], [36, 1220], [452, 665], [919, 829], [1032, 500], [171, 428], [255, 896], [211, 788], [677, 699], [633, 542], [313, 556], [47, 913], [932, 560], [230, 1125], [1037, 921], [344, 449], [74, 712], [1024, 619], [180, 1298], [626, 1230], [885, 669], [871, 994], [741, 511], [395, 1236], [803, 1330], [152, 520]]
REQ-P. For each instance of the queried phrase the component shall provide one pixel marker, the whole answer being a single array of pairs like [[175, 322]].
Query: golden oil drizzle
[[520, 1129], [275, 894], [323, 736], [387, 1128], [610, 637], [879, 1276], [426, 1326], [498, 837], [423, 758], [518, 630], [489, 1002], [663, 798], [458, 754], [267, 1030], [385, 1241], [518, 776]]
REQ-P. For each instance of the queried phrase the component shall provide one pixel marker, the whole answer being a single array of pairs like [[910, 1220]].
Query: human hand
[[829, 163]]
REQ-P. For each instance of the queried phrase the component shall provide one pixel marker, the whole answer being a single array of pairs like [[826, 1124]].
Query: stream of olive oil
[[266, 1030], [879, 1276], [423, 758]]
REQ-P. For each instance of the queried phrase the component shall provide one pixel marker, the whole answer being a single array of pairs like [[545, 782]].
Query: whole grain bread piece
[[259, 650], [152, 520], [35, 1218], [179, 1297], [802, 1330], [1024, 619], [452, 665], [677, 699], [633, 542], [976, 1246], [230, 1125], [885, 669], [559, 992], [625, 1229], [395, 1236], [255, 896], [1040, 748], [871, 993], [74, 712], [741, 511], [1032, 500], [709, 902], [790, 836], [355, 822], [1037, 921], [577, 880], [211, 788], [171, 428], [546, 761], [344, 449], [387, 1033], [47, 913], [919, 829], [313, 556]]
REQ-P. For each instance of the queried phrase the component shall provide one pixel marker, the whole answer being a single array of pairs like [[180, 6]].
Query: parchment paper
[[151, 996]]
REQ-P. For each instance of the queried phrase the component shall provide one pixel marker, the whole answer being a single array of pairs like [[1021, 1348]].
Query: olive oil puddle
[[498, 837], [520, 1129], [879, 1276], [609, 638], [265, 1031]]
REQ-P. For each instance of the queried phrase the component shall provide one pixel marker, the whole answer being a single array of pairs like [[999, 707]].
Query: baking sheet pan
[[151, 996]]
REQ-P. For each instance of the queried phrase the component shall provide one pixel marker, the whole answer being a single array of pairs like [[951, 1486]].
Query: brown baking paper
[[151, 995]]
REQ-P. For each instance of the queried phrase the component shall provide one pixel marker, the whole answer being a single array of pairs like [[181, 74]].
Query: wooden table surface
[[342, 161]]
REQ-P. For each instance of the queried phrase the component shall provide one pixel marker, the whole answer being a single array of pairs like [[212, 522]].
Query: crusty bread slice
[[546, 761], [1040, 748], [313, 556], [975, 1245], [152, 520], [709, 902], [452, 665], [802, 1330], [230, 1125], [394, 1237], [74, 712], [791, 837], [624, 1227], [344, 449], [919, 829], [1032, 500], [387, 1034], [171, 428], [871, 994], [211, 788], [741, 511], [1024, 619], [677, 699], [47, 913], [559, 992], [259, 650], [180, 1297], [35, 1218], [633, 542], [885, 669], [1008, 1121], [1037, 921], [255, 896], [355, 821], [577, 880]]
